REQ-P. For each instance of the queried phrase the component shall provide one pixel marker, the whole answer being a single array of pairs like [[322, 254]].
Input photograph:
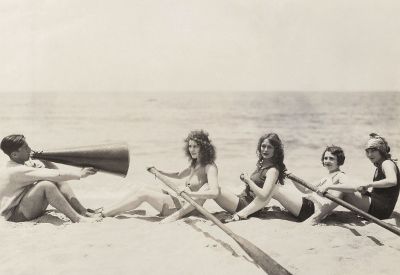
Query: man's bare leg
[[70, 196], [35, 202]]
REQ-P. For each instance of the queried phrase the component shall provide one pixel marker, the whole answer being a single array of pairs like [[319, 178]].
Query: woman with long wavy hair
[[200, 177], [261, 185], [267, 183]]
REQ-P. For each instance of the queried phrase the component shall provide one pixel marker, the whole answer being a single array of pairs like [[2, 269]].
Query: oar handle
[[346, 205]]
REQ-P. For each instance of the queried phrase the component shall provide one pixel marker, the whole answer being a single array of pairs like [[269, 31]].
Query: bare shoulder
[[211, 167], [272, 173], [341, 176], [388, 164]]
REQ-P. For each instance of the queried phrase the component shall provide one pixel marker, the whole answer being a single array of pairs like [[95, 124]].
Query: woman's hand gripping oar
[[260, 258], [345, 204]]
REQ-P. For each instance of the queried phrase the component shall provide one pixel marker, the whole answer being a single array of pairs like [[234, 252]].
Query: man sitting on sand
[[27, 189]]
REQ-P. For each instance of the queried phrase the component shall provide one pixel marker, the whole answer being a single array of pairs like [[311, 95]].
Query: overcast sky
[[199, 45]]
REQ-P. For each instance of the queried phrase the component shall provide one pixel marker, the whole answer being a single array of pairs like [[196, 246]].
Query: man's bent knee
[[45, 184]]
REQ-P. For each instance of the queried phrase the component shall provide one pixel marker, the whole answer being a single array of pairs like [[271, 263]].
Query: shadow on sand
[[345, 219], [53, 217], [139, 214], [396, 216], [193, 223]]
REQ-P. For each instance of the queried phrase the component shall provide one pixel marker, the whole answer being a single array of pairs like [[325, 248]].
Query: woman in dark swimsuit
[[381, 201], [266, 182], [201, 183], [261, 184]]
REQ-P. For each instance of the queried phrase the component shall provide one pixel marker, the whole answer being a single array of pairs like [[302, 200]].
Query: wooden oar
[[264, 261], [346, 205]]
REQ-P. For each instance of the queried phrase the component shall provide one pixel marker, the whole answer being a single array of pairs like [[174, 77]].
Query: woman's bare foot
[[92, 219], [311, 221], [93, 212]]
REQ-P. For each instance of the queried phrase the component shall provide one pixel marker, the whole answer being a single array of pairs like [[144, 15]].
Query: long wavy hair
[[207, 153], [277, 158]]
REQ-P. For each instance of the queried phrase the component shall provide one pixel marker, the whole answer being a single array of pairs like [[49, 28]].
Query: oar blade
[[269, 265], [261, 259]]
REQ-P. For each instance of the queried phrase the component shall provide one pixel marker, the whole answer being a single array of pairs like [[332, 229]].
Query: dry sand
[[136, 243]]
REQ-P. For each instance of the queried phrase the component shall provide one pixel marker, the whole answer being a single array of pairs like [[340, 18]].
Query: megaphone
[[111, 158]]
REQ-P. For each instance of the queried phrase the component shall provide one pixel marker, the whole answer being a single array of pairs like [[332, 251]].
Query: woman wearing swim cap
[[381, 201]]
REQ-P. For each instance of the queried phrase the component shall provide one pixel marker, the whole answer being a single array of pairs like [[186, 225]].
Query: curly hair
[[278, 156], [207, 153], [336, 151]]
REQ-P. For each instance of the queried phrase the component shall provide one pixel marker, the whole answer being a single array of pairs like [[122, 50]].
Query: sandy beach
[[135, 243], [145, 73]]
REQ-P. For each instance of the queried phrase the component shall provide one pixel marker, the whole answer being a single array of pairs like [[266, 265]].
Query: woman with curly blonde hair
[[200, 177]]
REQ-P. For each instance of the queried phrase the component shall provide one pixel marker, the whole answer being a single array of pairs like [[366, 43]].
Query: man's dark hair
[[12, 143]]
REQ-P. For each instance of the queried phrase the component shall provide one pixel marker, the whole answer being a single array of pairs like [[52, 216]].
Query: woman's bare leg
[[254, 206], [227, 200], [358, 200], [186, 209], [289, 197], [155, 198]]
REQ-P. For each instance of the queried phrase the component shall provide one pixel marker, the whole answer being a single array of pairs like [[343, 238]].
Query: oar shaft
[[207, 214], [346, 205], [201, 209], [268, 264]]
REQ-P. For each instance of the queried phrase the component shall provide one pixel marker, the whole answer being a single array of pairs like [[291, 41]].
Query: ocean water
[[155, 125]]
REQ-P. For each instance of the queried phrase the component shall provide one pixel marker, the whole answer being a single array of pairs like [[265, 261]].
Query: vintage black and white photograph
[[199, 137]]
